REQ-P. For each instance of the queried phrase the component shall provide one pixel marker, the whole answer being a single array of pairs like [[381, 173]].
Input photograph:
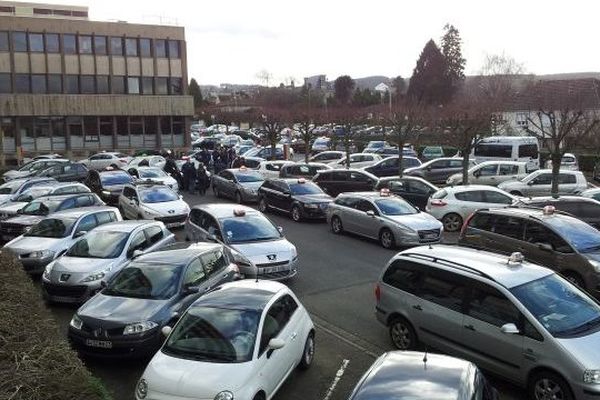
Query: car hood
[[178, 377], [580, 347], [176, 207], [456, 178], [257, 252], [4, 198], [313, 198], [27, 244], [418, 222], [12, 207], [120, 309], [510, 184], [251, 185], [27, 220], [79, 268]]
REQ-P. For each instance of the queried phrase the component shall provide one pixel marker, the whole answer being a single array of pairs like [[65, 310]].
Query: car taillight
[[438, 203], [464, 227], [377, 292]]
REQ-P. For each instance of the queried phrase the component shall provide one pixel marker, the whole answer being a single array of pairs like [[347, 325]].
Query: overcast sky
[[231, 40]]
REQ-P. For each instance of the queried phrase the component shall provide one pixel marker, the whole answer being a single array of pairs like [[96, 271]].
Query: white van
[[509, 148]]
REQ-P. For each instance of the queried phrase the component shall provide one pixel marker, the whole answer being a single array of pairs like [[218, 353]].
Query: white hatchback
[[240, 341], [357, 160]]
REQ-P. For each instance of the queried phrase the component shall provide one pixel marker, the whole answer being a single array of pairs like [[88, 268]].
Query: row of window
[[47, 11], [89, 84], [89, 44]]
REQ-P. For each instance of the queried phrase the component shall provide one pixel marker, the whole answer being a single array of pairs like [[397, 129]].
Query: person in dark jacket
[[238, 162], [171, 169], [189, 175], [202, 179]]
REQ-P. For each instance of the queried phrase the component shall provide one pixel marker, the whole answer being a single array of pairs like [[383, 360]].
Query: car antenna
[[425, 359]]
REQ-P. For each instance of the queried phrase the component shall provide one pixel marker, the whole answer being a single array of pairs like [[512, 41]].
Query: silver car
[[539, 183], [257, 245], [515, 319], [384, 217], [240, 184], [491, 173], [52, 236], [18, 186], [98, 255]]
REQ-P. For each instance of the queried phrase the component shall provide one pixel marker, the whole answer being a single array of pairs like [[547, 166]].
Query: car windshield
[[559, 306], [158, 195], [10, 187], [395, 206], [583, 237], [98, 244], [248, 177], [305, 188], [567, 160], [52, 228], [31, 194], [250, 228], [115, 179], [151, 173], [42, 207], [215, 335], [146, 281]]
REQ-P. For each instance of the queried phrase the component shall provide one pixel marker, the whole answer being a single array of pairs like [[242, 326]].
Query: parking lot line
[[336, 379]]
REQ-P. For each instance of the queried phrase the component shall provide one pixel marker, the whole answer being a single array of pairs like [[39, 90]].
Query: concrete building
[[74, 86]]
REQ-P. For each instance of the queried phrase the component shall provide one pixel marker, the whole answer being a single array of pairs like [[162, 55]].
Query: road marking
[[346, 340], [336, 379]]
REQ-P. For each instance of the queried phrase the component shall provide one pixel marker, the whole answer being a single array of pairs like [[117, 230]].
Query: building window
[[174, 49], [55, 83], [42, 11], [102, 84], [145, 48], [90, 128], [19, 41], [162, 86], [133, 85], [22, 83], [131, 48], [151, 126], [26, 133], [118, 84], [85, 45], [52, 44], [165, 125], [36, 42], [116, 46], [176, 86], [522, 119], [75, 127], [122, 129], [3, 41], [69, 44], [72, 84], [58, 133], [100, 44], [136, 125], [178, 125], [87, 84], [5, 83], [160, 48], [41, 128], [147, 84], [38, 84], [106, 126], [7, 126]]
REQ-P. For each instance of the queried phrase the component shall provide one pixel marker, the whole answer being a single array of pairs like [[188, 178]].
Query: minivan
[[509, 148]]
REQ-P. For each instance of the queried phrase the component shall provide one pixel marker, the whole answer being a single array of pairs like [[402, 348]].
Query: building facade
[[73, 86]]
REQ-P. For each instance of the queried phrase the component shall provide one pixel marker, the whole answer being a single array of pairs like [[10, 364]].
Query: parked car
[[302, 170], [147, 161], [508, 148], [299, 198], [539, 183], [320, 145], [149, 293], [515, 319], [586, 209], [265, 153], [39, 208], [591, 193], [452, 205], [271, 169], [336, 181], [262, 249], [65, 172], [375, 145], [154, 174], [432, 152], [409, 375], [152, 201], [52, 236], [240, 184], [383, 217], [438, 170], [491, 173], [32, 168], [357, 160], [328, 156], [98, 256], [248, 339], [390, 166], [18, 186], [568, 162], [107, 159], [546, 237], [108, 184], [411, 188]]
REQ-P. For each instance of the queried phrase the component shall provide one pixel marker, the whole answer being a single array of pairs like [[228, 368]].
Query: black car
[[586, 209], [297, 197], [336, 181], [66, 172], [125, 319], [390, 166], [411, 188], [108, 184]]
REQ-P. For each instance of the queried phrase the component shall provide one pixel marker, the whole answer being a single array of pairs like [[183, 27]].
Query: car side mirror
[[211, 237], [509, 329], [136, 253], [286, 193], [166, 330], [371, 213], [530, 183], [79, 234], [103, 284], [545, 247], [280, 229], [276, 343], [187, 290]]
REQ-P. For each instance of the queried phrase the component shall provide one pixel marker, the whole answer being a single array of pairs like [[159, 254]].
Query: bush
[[36, 361]]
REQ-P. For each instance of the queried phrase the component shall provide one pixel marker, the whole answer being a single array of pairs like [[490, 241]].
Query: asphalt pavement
[[336, 284]]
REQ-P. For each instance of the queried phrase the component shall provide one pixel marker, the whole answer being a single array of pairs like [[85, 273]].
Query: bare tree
[[306, 120], [273, 121], [264, 76], [347, 118]]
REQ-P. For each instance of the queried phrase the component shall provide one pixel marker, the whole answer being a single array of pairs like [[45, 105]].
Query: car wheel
[[309, 352], [114, 166], [548, 385], [574, 278], [452, 222], [515, 193], [262, 206], [403, 334], [336, 225], [296, 215], [140, 216], [238, 198], [387, 240], [259, 396]]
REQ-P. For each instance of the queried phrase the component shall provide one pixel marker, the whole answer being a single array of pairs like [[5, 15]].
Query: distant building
[[317, 82]]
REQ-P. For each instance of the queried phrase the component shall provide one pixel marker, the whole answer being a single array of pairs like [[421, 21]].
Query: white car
[[539, 183], [357, 160], [148, 200], [155, 174], [270, 169], [32, 168], [153, 161], [491, 173], [452, 205], [103, 160], [567, 163], [241, 341], [328, 156]]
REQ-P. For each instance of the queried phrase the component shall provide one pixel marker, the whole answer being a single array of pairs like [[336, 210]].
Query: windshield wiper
[[586, 326], [591, 248]]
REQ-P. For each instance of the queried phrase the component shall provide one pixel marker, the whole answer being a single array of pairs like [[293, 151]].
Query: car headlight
[[595, 264], [41, 254], [139, 327], [294, 254], [224, 395], [311, 205], [76, 322], [142, 389], [106, 192], [591, 376], [96, 276], [149, 213]]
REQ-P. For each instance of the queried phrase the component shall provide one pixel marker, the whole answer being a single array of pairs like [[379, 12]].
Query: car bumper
[[278, 271], [314, 213], [250, 197], [381, 316], [584, 391], [70, 294], [35, 266], [110, 199], [137, 346], [176, 221]]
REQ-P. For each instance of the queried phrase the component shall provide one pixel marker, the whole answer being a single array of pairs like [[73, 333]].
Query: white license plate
[[431, 236], [172, 224], [104, 344], [272, 269]]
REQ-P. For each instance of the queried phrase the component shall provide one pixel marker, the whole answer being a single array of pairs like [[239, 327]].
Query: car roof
[[510, 162], [62, 196], [239, 170], [467, 188], [393, 376], [549, 171], [78, 212], [123, 226], [223, 210], [373, 195], [550, 199], [179, 256], [468, 261], [247, 294]]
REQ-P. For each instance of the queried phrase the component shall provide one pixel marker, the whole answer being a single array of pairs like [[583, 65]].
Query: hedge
[[36, 362]]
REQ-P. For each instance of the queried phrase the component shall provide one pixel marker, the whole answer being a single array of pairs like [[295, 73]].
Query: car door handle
[[293, 336], [470, 327], [417, 307]]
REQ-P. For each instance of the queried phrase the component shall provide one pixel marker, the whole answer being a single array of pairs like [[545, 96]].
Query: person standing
[[202, 179], [189, 175]]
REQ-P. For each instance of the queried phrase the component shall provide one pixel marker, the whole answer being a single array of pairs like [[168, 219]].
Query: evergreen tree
[[455, 63], [429, 82], [343, 87], [195, 92]]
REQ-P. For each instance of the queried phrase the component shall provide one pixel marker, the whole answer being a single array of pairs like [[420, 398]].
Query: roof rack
[[529, 207], [450, 264]]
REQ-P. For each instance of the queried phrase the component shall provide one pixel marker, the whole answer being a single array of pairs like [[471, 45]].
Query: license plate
[[104, 344], [172, 224], [268, 270], [431, 236]]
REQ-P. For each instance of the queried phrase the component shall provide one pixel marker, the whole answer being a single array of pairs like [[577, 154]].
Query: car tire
[[402, 334], [387, 239], [516, 193], [452, 222], [259, 396], [308, 354], [574, 278], [114, 166], [140, 216], [296, 214], [546, 385], [263, 207], [238, 197], [336, 225]]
